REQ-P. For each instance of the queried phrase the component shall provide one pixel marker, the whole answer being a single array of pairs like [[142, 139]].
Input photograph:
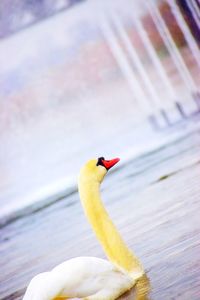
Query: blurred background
[[82, 79]]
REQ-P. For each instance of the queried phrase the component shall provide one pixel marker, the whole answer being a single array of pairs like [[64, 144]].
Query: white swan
[[90, 277]]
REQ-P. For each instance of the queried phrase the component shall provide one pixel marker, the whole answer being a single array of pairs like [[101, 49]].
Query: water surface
[[154, 201]]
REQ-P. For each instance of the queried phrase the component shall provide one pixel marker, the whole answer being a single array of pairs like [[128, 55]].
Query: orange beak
[[110, 163]]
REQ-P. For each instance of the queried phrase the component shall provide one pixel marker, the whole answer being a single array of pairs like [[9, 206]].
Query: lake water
[[153, 200]]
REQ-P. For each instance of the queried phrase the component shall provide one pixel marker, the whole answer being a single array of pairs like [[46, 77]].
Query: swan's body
[[82, 277], [89, 277]]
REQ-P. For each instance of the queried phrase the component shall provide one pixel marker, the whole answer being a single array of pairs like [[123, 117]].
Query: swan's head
[[96, 169]]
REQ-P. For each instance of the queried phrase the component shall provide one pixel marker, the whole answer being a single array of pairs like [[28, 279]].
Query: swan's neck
[[107, 234]]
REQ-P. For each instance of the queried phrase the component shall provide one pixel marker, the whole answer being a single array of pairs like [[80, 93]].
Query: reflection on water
[[140, 291], [143, 288]]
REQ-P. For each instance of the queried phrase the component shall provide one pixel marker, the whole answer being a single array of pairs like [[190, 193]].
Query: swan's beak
[[110, 163]]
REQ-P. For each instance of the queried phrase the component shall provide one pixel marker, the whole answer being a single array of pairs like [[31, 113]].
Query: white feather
[[82, 277]]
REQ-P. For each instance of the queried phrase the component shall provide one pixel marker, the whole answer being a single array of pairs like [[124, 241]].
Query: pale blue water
[[153, 200]]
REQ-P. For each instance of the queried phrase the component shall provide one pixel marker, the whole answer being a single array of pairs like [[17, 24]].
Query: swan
[[91, 278]]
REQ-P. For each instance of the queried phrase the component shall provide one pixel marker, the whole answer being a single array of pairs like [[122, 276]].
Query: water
[[153, 200]]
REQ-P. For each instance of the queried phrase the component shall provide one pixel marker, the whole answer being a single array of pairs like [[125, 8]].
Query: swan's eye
[[100, 161]]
